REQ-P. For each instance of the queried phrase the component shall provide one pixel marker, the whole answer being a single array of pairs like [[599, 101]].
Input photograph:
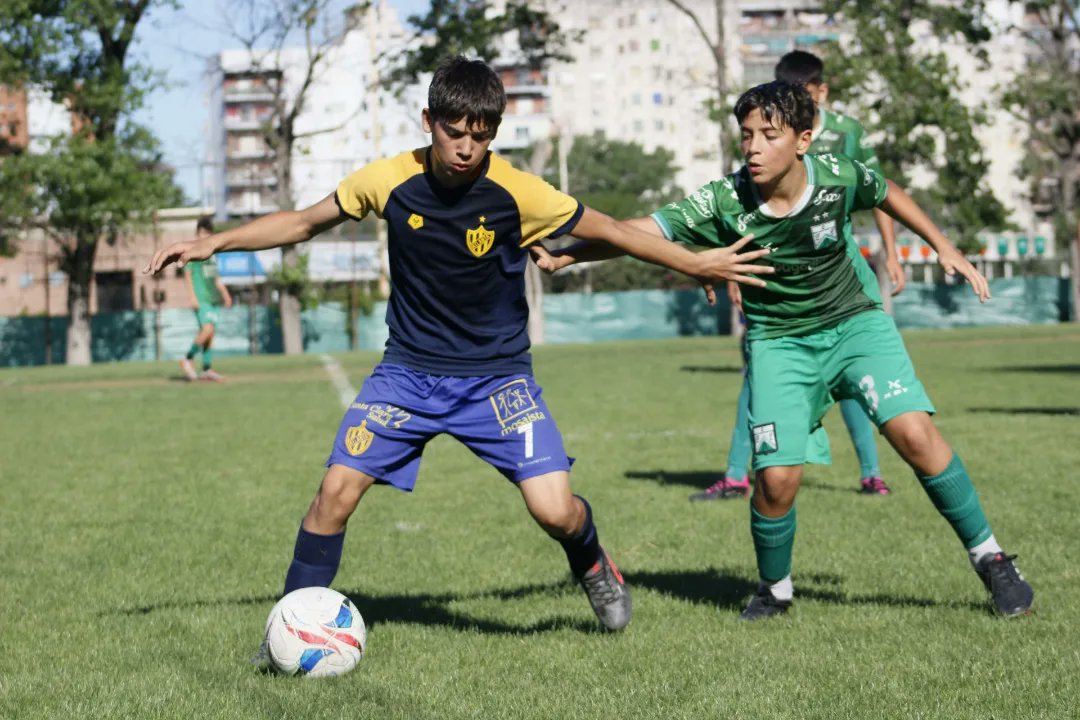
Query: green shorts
[[207, 315], [794, 381]]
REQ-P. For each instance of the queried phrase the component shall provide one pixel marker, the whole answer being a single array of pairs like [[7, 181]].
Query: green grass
[[146, 524]]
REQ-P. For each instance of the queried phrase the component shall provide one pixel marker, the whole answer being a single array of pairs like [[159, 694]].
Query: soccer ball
[[316, 632]]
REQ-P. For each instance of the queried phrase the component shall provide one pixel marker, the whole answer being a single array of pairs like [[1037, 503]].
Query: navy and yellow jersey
[[457, 260]]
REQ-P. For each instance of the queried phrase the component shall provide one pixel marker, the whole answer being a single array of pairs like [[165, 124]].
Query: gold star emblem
[[483, 219], [416, 222]]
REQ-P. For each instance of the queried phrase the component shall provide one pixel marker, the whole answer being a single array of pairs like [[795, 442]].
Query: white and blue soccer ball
[[315, 632]]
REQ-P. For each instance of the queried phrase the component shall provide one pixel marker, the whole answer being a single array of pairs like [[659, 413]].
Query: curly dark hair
[[781, 103]]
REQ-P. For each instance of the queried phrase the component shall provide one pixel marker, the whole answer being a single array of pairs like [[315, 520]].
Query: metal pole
[[48, 314]]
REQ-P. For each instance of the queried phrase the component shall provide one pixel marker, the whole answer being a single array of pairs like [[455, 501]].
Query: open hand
[[728, 264], [180, 253], [953, 262]]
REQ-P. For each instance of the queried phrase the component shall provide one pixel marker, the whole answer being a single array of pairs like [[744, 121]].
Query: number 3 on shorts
[[527, 430]]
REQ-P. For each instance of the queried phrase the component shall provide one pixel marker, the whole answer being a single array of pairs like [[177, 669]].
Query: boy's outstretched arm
[[286, 227], [900, 205], [605, 238]]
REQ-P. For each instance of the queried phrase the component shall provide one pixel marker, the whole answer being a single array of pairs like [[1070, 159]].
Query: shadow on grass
[[428, 609], [711, 368], [730, 590], [698, 479], [1027, 410], [1067, 369]]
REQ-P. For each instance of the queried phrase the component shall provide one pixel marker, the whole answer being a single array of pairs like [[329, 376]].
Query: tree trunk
[[292, 335], [80, 270]]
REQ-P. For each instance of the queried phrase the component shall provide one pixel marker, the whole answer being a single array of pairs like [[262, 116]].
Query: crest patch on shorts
[[765, 439]]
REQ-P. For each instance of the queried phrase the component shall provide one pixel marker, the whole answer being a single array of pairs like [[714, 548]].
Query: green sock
[[193, 350], [954, 496], [774, 539], [207, 358]]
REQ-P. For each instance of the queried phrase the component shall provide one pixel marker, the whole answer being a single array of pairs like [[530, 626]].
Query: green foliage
[[1045, 97], [107, 176], [908, 97], [294, 279], [472, 27]]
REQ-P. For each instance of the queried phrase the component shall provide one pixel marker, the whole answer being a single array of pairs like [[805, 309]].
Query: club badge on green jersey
[[765, 439]]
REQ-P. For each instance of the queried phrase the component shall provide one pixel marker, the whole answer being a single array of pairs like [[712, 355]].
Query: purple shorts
[[503, 420]]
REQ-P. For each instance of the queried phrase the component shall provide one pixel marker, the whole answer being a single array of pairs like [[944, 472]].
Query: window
[[521, 133], [638, 126], [114, 291], [654, 45], [657, 99]]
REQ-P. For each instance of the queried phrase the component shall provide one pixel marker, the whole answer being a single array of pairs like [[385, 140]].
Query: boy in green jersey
[[834, 134], [207, 293], [817, 332]]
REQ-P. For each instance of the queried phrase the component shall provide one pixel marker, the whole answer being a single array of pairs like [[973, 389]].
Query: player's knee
[[912, 434], [558, 519], [777, 486], [341, 491]]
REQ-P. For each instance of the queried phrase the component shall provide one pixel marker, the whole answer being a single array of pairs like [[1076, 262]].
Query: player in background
[[461, 222], [834, 134], [818, 331], [207, 293]]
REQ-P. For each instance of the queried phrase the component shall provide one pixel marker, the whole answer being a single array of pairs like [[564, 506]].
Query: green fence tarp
[[568, 318]]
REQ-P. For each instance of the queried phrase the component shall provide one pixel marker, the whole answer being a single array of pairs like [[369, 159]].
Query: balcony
[[246, 154], [250, 179], [243, 208], [237, 123]]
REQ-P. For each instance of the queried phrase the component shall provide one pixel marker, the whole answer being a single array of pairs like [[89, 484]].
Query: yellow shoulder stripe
[[368, 189]]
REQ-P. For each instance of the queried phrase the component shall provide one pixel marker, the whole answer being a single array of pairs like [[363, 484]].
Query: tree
[[268, 29], [721, 105], [105, 177], [907, 95], [621, 179], [1046, 98], [527, 36]]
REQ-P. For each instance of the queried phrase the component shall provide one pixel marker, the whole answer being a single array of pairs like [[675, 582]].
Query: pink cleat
[[874, 486], [212, 376]]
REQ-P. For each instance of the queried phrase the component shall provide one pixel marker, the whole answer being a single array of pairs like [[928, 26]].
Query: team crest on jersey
[[765, 439], [823, 233], [479, 239], [358, 439], [416, 222]]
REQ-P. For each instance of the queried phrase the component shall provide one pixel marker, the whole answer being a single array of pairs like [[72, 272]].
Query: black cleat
[[764, 605], [608, 594], [1008, 589]]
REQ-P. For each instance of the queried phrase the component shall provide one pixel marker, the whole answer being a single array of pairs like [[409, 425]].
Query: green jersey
[[819, 277], [838, 134], [204, 275]]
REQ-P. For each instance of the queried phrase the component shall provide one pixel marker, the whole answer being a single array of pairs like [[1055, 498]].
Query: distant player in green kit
[[834, 134], [208, 293], [817, 332]]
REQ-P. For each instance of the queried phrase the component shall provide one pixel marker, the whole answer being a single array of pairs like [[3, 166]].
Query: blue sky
[[179, 43]]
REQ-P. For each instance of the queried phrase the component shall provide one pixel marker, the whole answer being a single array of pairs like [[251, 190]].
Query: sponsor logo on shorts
[[896, 389], [523, 421], [358, 439], [386, 415], [765, 439], [512, 401]]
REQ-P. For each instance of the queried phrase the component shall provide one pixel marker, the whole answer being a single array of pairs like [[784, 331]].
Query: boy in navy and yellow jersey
[[461, 223], [818, 334]]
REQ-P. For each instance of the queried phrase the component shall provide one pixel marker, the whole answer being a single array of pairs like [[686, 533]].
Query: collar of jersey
[[764, 208], [451, 195]]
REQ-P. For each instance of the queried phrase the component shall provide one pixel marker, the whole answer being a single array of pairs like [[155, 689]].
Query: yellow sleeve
[[544, 211], [368, 189]]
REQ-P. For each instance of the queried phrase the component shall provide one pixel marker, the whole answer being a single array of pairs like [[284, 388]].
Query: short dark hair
[[205, 223], [470, 89], [799, 67], [781, 103]]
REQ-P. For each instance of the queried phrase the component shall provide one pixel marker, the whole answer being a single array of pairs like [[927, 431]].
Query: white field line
[[346, 392]]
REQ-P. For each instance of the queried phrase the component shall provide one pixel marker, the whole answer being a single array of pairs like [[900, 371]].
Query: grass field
[[146, 524]]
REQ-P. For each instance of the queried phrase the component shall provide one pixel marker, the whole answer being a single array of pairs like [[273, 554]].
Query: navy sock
[[315, 560], [582, 550]]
